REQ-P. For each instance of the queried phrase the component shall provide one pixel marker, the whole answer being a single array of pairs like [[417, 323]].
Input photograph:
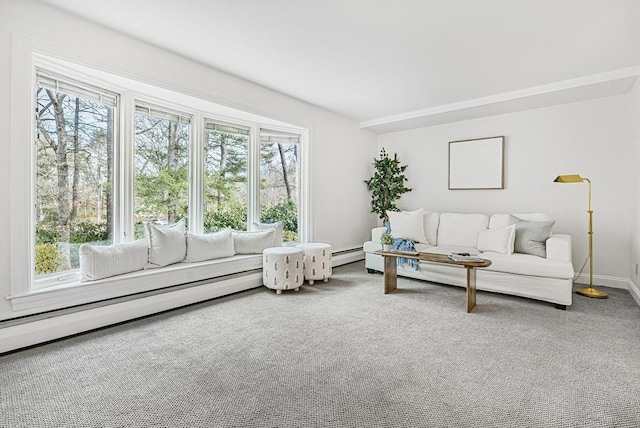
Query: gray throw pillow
[[531, 236]]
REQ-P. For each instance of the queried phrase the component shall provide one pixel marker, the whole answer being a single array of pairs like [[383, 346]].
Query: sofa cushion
[[408, 225], [497, 240], [526, 264], [461, 229], [103, 261], [209, 246], [167, 244], [531, 236], [253, 242]]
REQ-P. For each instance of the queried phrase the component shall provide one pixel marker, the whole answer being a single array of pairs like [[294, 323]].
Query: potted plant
[[386, 185], [387, 241]]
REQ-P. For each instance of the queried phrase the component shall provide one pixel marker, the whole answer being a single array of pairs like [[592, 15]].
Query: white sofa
[[546, 276]]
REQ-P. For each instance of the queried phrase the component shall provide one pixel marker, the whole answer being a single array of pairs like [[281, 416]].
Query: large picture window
[[171, 159], [75, 126]]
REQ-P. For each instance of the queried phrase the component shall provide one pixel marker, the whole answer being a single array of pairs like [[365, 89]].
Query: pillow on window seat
[[209, 246], [278, 226], [253, 242], [103, 261], [167, 244]]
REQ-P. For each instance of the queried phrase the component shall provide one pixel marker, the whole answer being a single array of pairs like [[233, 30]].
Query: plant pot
[[387, 247]]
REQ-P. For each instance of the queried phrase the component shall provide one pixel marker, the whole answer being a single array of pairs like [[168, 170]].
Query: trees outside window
[[161, 167], [74, 171], [279, 168], [225, 178]]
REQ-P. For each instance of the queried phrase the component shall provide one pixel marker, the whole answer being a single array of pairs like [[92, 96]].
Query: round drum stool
[[317, 261], [282, 268]]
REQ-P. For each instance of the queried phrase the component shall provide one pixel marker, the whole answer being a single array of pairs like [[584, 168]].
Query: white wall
[[338, 199], [634, 140], [589, 138]]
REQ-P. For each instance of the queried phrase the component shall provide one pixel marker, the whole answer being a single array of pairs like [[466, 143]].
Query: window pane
[[161, 169], [225, 181], [279, 181], [74, 178]]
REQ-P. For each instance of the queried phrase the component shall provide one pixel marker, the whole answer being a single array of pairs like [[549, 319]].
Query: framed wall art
[[476, 164]]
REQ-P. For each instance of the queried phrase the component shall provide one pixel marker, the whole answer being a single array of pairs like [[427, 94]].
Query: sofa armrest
[[559, 248], [377, 232]]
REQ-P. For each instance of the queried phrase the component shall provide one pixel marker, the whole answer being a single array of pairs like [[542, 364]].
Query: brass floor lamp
[[590, 291]]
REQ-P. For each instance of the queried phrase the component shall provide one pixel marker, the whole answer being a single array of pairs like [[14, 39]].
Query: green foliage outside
[[233, 217], [387, 184], [164, 193], [46, 236], [286, 212], [87, 231], [48, 259]]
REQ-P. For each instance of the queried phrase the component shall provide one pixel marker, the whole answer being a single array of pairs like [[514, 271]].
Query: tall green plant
[[387, 184]]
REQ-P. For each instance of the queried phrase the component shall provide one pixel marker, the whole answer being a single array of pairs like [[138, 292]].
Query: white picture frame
[[476, 164]]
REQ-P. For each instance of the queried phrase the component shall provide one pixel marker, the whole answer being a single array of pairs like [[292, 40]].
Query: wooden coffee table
[[391, 270]]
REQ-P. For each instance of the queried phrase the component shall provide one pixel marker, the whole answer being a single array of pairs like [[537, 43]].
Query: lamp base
[[592, 292]]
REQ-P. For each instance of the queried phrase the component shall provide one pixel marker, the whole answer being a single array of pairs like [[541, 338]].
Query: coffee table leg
[[390, 274], [471, 288]]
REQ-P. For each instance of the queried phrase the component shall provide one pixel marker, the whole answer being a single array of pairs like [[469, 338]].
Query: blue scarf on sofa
[[404, 245]]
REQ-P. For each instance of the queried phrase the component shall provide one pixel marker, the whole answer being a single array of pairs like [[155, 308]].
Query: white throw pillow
[[253, 242], [209, 246], [431, 222], [408, 225], [278, 226], [497, 240], [167, 244], [103, 261]]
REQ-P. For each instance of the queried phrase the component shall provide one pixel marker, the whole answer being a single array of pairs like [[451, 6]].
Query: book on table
[[464, 257]]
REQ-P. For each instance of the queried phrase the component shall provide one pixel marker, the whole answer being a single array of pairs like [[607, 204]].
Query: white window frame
[[25, 297], [300, 177]]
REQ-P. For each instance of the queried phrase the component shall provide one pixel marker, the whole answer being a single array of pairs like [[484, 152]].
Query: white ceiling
[[380, 62]]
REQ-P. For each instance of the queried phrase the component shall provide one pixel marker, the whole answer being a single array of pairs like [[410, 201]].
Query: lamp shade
[[569, 178]]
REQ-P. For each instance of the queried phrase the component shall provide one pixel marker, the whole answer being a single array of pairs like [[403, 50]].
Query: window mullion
[[125, 154], [253, 196], [196, 175]]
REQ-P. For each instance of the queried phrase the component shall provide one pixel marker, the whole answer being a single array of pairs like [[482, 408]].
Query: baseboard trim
[[635, 292], [340, 258], [604, 281]]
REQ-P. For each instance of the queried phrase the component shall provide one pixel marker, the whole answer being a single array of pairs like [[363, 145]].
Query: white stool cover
[[317, 261], [282, 268]]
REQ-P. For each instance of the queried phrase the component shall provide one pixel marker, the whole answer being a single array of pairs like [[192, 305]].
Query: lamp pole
[[590, 291], [590, 232]]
